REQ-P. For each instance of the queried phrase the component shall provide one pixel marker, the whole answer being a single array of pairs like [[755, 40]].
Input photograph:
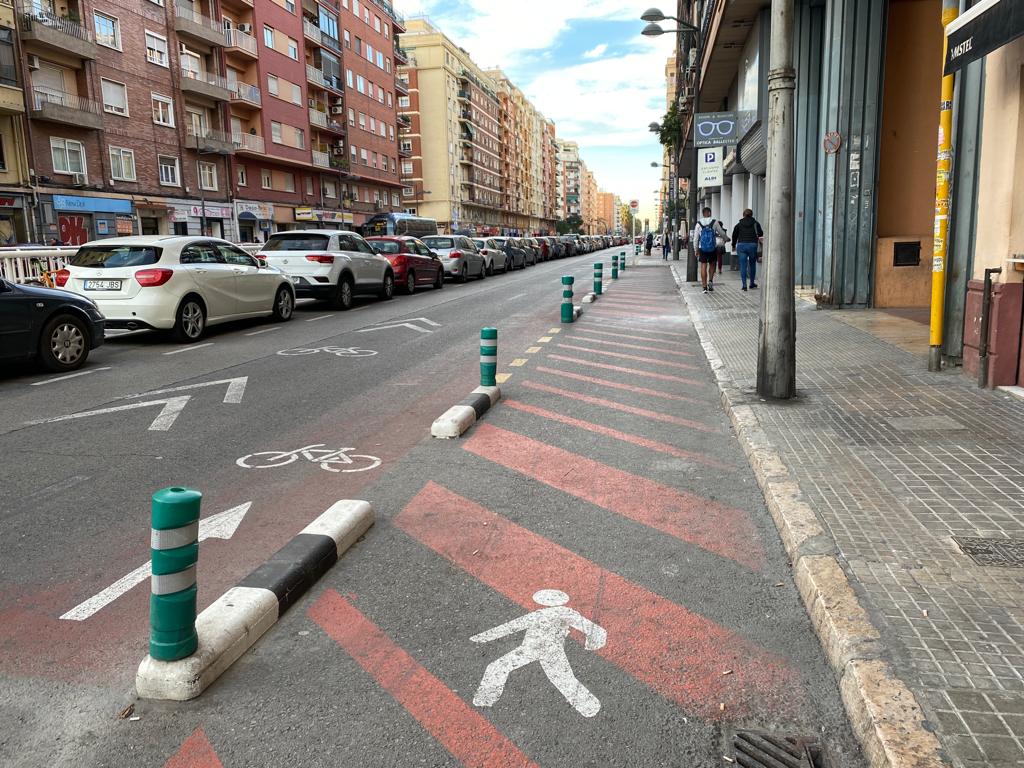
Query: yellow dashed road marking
[[501, 378], [532, 350], [543, 339], [519, 361], [555, 330]]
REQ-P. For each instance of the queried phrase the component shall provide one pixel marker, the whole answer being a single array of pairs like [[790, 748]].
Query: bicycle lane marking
[[467, 735], [316, 454], [676, 652]]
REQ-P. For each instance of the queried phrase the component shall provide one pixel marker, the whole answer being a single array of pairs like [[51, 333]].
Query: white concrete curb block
[[453, 422]]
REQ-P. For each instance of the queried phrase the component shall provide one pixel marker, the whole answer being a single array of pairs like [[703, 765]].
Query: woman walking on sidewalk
[[746, 235]]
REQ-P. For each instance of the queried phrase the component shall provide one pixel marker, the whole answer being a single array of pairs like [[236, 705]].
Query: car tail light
[[150, 278], [320, 258], [455, 255], [62, 277], [399, 260]]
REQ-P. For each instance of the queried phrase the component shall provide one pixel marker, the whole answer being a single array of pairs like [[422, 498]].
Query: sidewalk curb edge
[[886, 716]]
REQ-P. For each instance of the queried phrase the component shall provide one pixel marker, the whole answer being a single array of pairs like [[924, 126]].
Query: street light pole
[[776, 358], [691, 251]]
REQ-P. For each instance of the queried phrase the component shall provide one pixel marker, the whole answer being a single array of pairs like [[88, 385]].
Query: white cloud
[[596, 52]]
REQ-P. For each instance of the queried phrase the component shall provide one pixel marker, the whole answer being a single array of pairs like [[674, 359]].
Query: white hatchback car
[[329, 264], [176, 283]]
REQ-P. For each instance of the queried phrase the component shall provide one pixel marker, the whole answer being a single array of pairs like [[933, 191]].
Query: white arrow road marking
[[69, 376], [411, 324], [220, 526], [172, 408], [234, 394]]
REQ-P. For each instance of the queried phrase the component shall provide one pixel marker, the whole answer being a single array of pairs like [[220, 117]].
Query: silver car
[[460, 257]]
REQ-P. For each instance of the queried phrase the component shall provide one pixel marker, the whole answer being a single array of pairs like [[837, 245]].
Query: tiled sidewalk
[[897, 462]]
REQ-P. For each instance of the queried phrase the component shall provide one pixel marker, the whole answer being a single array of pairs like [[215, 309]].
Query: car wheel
[[64, 343], [410, 282], [439, 282], [463, 274], [490, 269], [387, 290], [483, 270], [343, 295], [284, 305], [190, 323]]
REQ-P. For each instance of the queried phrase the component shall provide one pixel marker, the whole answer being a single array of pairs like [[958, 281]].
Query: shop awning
[[987, 26]]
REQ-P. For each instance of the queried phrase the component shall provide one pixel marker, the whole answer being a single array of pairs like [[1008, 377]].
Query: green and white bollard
[[488, 356], [622, 261], [175, 551], [567, 281], [615, 267], [598, 278]]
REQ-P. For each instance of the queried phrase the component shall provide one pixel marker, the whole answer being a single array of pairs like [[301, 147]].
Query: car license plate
[[103, 285]]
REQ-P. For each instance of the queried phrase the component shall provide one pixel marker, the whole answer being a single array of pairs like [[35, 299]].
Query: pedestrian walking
[[746, 235], [666, 245], [706, 234], [648, 243]]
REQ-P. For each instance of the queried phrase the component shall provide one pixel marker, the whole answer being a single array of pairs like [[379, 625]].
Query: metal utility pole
[[776, 359], [691, 252]]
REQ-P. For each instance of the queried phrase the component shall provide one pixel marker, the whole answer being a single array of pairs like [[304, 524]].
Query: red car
[[413, 262]]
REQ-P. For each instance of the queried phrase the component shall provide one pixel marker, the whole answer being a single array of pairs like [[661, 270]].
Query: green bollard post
[[567, 281], [598, 278], [615, 267], [174, 547], [488, 356], [622, 262]]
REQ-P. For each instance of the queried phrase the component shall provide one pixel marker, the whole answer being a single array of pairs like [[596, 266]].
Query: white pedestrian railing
[[20, 265]]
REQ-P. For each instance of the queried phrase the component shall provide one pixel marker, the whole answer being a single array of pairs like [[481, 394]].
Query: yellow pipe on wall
[[943, 165]]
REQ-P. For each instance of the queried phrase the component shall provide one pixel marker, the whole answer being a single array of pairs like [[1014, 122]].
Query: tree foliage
[[570, 225], [671, 127]]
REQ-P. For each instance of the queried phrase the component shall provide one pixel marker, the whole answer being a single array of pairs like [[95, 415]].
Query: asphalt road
[[607, 472]]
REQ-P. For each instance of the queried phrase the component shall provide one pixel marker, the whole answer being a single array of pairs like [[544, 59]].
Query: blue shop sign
[[91, 204]]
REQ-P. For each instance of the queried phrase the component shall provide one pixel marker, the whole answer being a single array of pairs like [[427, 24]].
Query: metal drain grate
[[1006, 553], [767, 750]]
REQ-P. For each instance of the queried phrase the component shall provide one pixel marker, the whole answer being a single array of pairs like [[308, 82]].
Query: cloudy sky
[[584, 64]]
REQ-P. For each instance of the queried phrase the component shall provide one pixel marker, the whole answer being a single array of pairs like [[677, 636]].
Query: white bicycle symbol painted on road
[[336, 351], [329, 460]]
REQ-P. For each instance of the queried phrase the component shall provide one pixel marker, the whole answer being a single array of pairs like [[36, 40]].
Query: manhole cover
[[924, 424], [769, 750], [1007, 553]]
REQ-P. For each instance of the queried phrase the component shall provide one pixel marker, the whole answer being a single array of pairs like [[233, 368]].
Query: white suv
[[329, 264]]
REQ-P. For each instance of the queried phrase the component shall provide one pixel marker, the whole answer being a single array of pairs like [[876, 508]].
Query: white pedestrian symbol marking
[[544, 642]]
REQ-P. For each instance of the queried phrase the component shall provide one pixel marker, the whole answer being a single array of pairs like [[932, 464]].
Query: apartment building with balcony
[[569, 164], [453, 164], [15, 223], [126, 118]]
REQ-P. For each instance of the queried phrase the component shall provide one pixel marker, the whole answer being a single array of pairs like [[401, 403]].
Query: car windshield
[[480, 243], [385, 246], [297, 242], [439, 242], [112, 257]]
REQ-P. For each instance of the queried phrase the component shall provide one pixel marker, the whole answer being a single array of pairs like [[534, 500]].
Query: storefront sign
[[212, 211], [91, 204], [714, 129], [987, 26], [317, 214], [12, 201], [709, 167], [247, 210], [102, 227], [125, 225]]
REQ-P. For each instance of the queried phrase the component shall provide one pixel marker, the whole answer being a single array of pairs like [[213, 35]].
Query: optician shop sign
[[715, 129]]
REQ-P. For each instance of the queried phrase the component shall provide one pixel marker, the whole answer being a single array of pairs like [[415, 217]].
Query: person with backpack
[[705, 236], [746, 235]]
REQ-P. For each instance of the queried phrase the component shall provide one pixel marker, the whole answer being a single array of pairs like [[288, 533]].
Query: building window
[[360, 83], [359, 46], [330, 188], [369, 53], [380, 59], [293, 49], [163, 110], [395, 202], [351, 117], [266, 179], [300, 138], [289, 5], [156, 49], [373, 124], [328, 23], [8, 70], [296, 94], [108, 30], [364, 156], [380, 94], [275, 133], [407, 167], [68, 156], [289, 182], [115, 97], [407, 192], [268, 36], [348, 77], [406, 145], [122, 164], [373, 159], [362, 120], [387, 66], [309, 185], [207, 176], [403, 102], [168, 166], [241, 176], [272, 85], [348, 39]]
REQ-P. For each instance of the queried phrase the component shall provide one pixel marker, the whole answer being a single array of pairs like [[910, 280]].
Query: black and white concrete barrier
[[233, 623], [456, 420]]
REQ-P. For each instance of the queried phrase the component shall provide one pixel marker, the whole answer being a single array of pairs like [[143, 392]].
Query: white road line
[[265, 330], [322, 317], [188, 348], [517, 296], [69, 376]]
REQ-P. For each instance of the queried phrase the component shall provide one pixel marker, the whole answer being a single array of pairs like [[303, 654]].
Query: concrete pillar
[[739, 195]]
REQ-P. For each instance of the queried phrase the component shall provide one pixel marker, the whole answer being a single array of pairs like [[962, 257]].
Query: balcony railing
[[321, 159], [464, 95], [312, 31], [197, 18], [248, 93], [401, 55], [315, 75], [209, 133], [37, 14], [42, 96], [403, 87], [249, 143], [207, 77], [318, 118], [238, 39]]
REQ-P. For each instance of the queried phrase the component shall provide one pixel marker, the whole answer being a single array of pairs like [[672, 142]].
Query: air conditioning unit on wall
[[337, 109], [33, 62], [79, 179], [247, 28]]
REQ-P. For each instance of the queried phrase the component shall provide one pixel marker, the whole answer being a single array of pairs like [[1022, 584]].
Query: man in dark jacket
[[745, 237]]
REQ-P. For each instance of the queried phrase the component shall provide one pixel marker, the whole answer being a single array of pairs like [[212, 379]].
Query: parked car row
[[184, 284]]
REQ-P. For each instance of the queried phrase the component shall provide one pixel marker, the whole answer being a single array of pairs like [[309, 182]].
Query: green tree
[[570, 225], [671, 126]]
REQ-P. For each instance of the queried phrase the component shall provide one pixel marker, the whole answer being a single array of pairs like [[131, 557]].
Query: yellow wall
[[906, 178]]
